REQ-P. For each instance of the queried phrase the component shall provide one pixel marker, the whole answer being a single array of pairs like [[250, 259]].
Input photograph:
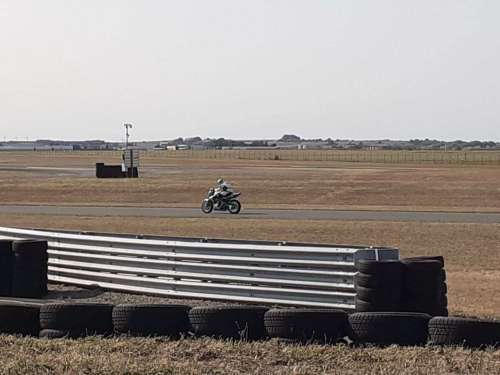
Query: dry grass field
[[472, 251], [68, 178], [205, 356]]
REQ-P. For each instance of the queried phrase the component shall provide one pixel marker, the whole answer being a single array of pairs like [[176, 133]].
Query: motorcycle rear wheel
[[234, 206], [207, 206]]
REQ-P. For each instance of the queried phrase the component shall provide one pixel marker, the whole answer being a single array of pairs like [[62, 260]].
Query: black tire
[[19, 319], [29, 280], [61, 334], [464, 331], [422, 276], [366, 306], [6, 259], [438, 258], [366, 280], [30, 249], [387, 328], [89, 318], [207, 206], [373, 267], [235, 322], [428, 268], [151, 320], [389, 296], [306, 325], [5, 247], [234, 206]]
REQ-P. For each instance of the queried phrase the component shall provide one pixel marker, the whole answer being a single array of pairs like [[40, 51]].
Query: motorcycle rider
[[223, 189]]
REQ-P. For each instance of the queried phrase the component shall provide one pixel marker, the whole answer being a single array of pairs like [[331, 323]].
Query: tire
[[207, 206], [438, 258], [88, 318], [373, 267], [235, 322], [30, 249], [422, 276], [425, 268], [367, 306], [366, 280], [464, 331], [61, 334], [5, 248], [234, 206], [306, 325], [6, 258], [19, 319], [151, 320], [387, 328], [29, 280], [389, 296]]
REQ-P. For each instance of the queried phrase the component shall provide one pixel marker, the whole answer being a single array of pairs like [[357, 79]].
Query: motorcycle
[[218, 202]]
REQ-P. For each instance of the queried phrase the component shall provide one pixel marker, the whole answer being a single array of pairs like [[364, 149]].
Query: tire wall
[[23, 268], [410, 285]]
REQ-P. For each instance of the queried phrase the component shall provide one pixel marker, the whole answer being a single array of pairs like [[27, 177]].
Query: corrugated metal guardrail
[[249, 271]]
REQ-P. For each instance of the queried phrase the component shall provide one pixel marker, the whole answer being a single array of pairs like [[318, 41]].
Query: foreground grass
[[207, 356]]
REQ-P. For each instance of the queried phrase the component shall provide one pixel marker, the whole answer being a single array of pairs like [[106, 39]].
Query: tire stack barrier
[[378, 285], [19, 319], [307, 325], [74, 320], [387, 328], [29, 268], [410, 285], [466, 332], [151, 320], [301, 325], [424, 286], [6, 268], [229, 322]]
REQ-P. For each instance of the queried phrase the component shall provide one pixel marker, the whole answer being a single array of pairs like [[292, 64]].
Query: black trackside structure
[[23, 268], [416, 285]]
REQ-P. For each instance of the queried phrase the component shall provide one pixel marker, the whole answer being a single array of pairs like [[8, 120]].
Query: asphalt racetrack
[[260, 214]]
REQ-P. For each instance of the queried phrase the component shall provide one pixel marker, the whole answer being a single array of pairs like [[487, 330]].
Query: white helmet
[[220, 181]]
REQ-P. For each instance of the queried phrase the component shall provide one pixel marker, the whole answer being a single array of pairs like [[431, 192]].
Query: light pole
[[127, 127]]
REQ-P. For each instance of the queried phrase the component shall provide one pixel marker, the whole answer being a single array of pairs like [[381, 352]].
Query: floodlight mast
[[127, 127]]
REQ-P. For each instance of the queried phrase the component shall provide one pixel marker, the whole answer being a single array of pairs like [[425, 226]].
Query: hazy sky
[[250, 69]]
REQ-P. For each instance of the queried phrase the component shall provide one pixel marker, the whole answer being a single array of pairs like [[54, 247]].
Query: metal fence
[[352, 156], [247, 271]]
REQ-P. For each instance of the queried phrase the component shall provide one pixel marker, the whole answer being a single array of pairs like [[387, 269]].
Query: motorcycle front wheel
[[207, 206], [234, 206]]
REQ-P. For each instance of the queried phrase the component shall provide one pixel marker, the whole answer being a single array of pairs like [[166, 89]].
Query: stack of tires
[[378, 285], [424, 286], [5, 268], [29, 268]]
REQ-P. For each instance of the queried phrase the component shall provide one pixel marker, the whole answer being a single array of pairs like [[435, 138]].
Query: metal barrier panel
[[246, 271]]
